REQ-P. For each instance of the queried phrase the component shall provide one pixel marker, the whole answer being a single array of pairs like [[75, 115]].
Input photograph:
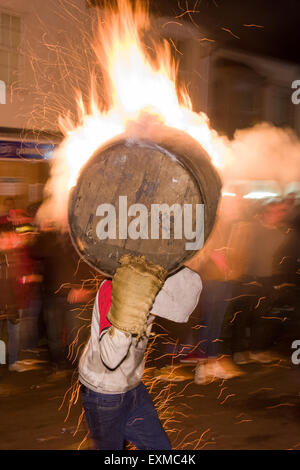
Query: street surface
[[259, 410]]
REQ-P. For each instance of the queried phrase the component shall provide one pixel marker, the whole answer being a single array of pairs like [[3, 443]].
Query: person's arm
[[79, 295], [79, 276], [113, 343], [114, 346], [179, 296]]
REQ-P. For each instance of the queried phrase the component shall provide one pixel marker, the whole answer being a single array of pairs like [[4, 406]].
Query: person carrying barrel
[[116, 403]]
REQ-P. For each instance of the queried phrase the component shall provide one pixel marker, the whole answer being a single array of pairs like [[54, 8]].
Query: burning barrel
[[154, 196]]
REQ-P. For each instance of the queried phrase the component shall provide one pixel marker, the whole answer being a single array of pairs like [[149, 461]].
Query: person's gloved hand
[[134, 288]]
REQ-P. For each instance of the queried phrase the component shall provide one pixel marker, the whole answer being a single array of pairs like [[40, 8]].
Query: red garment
[[104, 303], [3, 220], [24, 266]]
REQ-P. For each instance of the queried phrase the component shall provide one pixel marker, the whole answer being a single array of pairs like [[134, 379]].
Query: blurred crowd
[[251, 284], [44, 289], [249, 269]]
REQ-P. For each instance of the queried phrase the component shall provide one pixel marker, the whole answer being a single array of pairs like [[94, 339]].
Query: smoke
[[54, 209], [263, 152]]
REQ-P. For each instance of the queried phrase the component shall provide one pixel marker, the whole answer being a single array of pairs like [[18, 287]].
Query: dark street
[[260, 410]]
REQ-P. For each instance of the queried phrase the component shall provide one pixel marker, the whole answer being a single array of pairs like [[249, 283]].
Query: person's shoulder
[[188, 273], [184, 277], [104, 291]]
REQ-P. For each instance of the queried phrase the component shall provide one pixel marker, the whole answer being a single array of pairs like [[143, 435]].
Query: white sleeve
[[114, 348], [178, 297]]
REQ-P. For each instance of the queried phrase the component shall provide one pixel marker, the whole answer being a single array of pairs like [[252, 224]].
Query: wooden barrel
[[170, 168]]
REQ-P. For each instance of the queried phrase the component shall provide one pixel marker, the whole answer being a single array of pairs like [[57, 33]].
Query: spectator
[[10, 243], [254, 250], [63, 273]]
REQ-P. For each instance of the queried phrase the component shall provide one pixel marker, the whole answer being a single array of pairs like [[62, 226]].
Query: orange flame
[[137, 80]]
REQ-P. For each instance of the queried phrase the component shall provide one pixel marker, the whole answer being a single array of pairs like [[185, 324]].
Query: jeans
[[55, 308], [129, 416], [172, 342], [29, 324], [13, 340], [213, 301], [13, 330], [252, 309]]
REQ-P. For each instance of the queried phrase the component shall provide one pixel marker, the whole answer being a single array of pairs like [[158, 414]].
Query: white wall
[[52, 31]]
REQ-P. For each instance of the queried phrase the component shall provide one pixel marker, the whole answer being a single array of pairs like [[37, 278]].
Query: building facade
[[46, 56]]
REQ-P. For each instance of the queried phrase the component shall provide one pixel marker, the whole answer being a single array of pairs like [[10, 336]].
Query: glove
[[134, 288]]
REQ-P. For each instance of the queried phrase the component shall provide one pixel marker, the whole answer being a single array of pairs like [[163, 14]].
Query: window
[[10, 36]]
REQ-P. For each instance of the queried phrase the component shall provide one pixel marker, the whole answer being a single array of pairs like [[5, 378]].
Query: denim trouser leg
[[106, 418], [252, 303], [262, 331], [55, 311], [214, 300], [239, 314], [29, 324], [131, 416], [13, 330], [176, 341], [143, 428]]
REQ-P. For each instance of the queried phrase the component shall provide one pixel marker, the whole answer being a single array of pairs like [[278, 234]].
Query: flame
[[137, 81]]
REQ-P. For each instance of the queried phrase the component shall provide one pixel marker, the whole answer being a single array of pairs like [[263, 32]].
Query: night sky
[[279, 21]]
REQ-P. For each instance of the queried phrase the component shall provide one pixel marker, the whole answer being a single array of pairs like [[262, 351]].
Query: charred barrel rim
[[163, 148]]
